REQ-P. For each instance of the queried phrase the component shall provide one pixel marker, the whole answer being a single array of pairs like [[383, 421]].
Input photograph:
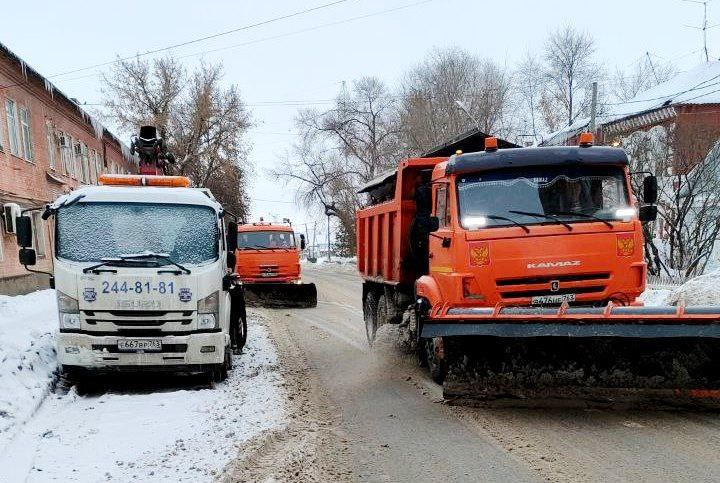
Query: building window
[[13, 127], [65, 142], [77, 161], [99, 164], [51, 144], [26, 133], [39, 231], [85, 166]]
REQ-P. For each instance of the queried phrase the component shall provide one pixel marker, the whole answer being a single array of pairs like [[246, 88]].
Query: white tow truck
[[142, 271]]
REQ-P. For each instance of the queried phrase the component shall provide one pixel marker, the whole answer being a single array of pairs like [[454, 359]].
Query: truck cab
[[142, 280], [534, 227], [268, 253]]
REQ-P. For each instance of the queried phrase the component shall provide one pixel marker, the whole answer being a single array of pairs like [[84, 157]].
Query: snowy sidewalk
[[181, 431]]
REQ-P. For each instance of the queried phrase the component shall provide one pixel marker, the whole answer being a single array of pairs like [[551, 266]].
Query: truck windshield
[[248, 240], [89, 232], [546, 194]]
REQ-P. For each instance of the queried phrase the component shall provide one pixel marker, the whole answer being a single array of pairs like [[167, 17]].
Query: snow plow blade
[[581, 356], [281, 295], [609, 321]]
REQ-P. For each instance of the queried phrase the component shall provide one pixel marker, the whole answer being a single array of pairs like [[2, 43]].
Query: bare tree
[[451, 92], [202, 122], [342, 148], [687, 162], [529, 90], [645, 75], [570, 70]]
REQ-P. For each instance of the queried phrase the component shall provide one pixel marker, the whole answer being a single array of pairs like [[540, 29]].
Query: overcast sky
[[303, 60]]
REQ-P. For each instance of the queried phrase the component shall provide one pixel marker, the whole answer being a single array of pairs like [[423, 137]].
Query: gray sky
[[278, 75]]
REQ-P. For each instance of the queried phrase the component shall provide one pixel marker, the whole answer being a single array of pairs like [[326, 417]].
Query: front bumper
[[610, 321], [178, 351]]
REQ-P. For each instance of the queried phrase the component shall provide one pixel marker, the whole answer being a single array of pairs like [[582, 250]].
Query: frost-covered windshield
[[88, 232], [568, 193], [266, 239]]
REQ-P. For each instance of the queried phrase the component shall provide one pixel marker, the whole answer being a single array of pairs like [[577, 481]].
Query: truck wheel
[[370, 312], [435, 357]]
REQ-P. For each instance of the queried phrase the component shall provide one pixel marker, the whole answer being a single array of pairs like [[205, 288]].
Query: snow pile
[[27, 357], [655, 297], [702, 290], [152, 428]]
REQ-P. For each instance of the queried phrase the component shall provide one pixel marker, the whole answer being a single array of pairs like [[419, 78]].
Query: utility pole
[[329, 211], [593, 108], [704, 27]]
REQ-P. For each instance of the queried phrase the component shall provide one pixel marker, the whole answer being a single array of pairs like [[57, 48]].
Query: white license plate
[[132, 345], [268, 274], [552, 299]]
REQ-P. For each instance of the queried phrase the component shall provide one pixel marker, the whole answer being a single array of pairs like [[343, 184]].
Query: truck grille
[[591, 277], [526, 287], [119, 320], [112, 349]]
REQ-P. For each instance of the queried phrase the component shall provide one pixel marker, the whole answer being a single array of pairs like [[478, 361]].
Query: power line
[[207, 37]]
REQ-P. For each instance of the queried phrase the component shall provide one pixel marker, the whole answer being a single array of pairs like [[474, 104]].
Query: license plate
[[552, 299], [133, 345], [268, 274]]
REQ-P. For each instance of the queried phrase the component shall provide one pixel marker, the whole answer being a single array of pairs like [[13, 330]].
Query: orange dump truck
[[268, 264], [517, 272]]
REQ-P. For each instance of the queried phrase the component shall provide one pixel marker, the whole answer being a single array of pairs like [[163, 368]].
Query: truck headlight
[[208, 309], [69, 311]]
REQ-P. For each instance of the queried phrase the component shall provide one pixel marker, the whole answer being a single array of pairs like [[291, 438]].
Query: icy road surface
[[159, 428]]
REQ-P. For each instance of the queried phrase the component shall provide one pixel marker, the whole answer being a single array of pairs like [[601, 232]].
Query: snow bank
[[179, 432], [702, 290], [339, 264], [27, 357], [654, 297]]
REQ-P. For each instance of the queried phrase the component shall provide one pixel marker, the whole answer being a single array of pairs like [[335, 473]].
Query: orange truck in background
[[268, 265], [507, 252]]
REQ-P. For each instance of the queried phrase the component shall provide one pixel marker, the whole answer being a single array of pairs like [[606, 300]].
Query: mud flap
[[281, 295]]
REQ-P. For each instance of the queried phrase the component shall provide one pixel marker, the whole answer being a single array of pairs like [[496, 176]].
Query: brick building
[[688, 104], [48, 146]]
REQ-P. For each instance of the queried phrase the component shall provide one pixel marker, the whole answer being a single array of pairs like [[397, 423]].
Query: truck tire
[[238, 320], [370, 309], [435, 359]]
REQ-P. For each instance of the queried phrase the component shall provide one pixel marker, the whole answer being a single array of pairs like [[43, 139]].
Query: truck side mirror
[[302, 241], [231, 260], [23, 230], [434, 224], [650, 189], [648, 213], [231, 237], [27, 256]]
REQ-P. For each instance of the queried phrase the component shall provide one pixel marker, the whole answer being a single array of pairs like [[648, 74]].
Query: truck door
[[441, 240]]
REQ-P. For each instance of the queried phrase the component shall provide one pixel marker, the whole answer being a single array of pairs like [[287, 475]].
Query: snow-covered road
[[133, 427]]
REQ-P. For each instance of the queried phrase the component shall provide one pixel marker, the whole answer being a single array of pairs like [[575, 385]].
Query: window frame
[[13, 125], [52, 145], [442, 213], [26, 133]]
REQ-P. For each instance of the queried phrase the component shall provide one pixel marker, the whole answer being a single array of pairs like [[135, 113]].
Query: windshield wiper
[[583, 215], [159, 256], [135, 258], [516, 223], [543, 215]]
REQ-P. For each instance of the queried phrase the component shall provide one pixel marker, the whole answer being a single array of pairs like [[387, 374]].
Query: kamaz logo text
[[570, 263]]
